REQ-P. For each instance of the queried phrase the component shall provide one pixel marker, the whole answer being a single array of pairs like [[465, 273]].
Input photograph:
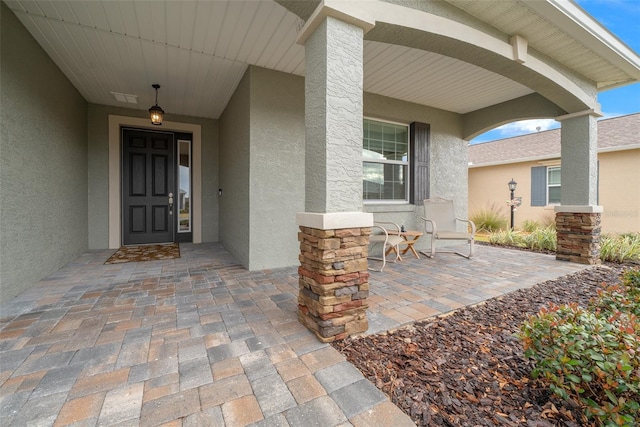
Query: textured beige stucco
[[620, 190], [618, 195]]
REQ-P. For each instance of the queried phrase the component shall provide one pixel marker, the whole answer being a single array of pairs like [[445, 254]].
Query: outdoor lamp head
[[156, 113], [512, 185]]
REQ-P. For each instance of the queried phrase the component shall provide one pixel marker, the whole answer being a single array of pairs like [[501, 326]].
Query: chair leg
[[396, 249], [432, 253], [470, 251], [383, 259]]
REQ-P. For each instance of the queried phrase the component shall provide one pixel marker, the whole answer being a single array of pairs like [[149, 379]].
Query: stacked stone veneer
[[334, 281], [578, 237]]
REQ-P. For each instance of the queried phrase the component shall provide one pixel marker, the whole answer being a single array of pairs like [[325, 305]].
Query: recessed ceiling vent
[[125, 97]]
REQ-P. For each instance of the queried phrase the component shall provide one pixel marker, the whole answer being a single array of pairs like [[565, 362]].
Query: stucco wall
[[43, 158], [619, 191], [277, 167], [448, 165], [234, 205], [621, 203], [488, 190], [262, 166], [98, 175]]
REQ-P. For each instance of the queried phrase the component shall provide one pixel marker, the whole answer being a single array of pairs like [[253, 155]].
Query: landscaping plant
[[506, 238], [617, 248], [529, 225], [592, 355], [620, 247], [542, 239], [489, 220]]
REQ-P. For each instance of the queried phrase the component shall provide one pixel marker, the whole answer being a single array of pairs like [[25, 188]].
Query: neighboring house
[[533, 161], [269, 103]]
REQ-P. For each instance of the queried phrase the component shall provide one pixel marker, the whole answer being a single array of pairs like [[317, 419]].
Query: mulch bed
[[468, 368]]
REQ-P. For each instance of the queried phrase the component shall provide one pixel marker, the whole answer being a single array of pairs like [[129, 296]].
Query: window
[[385, 155], [545, 185], [553, 186], [184, 186]]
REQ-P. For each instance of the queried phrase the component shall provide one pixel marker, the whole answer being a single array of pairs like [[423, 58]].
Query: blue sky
[[622, 18]]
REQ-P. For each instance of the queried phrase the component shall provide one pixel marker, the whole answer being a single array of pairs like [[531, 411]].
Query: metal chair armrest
[[473, 225], [434, 228], [398, 229]]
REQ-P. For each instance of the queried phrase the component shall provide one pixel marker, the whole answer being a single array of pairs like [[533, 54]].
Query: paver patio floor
[[201, 341]]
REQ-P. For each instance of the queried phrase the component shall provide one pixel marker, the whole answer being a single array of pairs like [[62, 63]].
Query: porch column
[[578, 217], [334, 232]]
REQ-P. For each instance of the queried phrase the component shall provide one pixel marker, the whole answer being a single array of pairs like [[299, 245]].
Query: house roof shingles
[[616, 133]]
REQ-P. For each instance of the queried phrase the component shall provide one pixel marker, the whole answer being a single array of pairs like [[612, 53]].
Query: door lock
[[170, 203]]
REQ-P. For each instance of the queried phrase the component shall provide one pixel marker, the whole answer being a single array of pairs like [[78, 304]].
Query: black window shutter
[[419, 162], [539, 186]]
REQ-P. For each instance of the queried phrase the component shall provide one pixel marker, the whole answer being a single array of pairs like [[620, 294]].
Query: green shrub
[[541, 239], [489, 220], [530, 225], [623, 297], [613, 247], [506, 238], [592, 355], [620, 247], [544, 239]]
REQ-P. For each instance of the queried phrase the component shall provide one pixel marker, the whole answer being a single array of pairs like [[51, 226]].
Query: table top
[[407, 233]]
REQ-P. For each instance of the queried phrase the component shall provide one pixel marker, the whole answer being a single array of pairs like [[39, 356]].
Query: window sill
[[388, 207]]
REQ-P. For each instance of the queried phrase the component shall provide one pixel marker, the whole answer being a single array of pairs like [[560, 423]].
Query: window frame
[[406, 164], [549, 185]]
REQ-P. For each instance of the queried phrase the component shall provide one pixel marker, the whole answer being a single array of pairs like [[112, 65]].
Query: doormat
[[144, 253]]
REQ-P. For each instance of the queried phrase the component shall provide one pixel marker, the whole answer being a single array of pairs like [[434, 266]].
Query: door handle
[[170, 203]]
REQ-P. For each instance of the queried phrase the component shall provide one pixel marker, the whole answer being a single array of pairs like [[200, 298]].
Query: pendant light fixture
[[156, 112]]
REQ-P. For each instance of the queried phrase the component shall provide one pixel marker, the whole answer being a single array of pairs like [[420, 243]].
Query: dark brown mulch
[[468, 369]]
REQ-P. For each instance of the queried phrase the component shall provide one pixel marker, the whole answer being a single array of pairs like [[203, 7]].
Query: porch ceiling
[[199, 50]]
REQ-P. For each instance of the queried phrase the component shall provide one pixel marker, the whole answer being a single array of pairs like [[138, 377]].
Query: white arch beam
[[565, 93]]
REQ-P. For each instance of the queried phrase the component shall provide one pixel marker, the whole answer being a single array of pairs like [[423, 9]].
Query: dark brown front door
[[148, 187]]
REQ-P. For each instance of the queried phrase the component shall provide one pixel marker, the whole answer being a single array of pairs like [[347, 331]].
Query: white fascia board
[[578, 24]]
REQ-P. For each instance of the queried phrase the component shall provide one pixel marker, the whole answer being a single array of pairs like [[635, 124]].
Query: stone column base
[[578, 237], [334, 281]]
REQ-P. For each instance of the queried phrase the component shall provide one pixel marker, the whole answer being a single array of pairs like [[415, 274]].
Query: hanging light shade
[[156, 112]]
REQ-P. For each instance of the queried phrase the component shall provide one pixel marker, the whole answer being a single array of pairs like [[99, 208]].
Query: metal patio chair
[[440, 223], [380, 236]]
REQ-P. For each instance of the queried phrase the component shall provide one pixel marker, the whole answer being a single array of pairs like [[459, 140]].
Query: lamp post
[[512, 188]]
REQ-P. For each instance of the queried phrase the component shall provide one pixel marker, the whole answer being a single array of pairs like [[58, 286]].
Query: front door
[[148, 187]]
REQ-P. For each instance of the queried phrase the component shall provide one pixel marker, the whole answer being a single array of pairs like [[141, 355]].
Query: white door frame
[[115, 214]]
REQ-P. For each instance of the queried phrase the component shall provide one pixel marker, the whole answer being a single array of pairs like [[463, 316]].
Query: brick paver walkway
[[201, 341]]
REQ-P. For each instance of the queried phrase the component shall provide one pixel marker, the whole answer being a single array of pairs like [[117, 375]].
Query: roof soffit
[[124, 46], [561, 30]]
